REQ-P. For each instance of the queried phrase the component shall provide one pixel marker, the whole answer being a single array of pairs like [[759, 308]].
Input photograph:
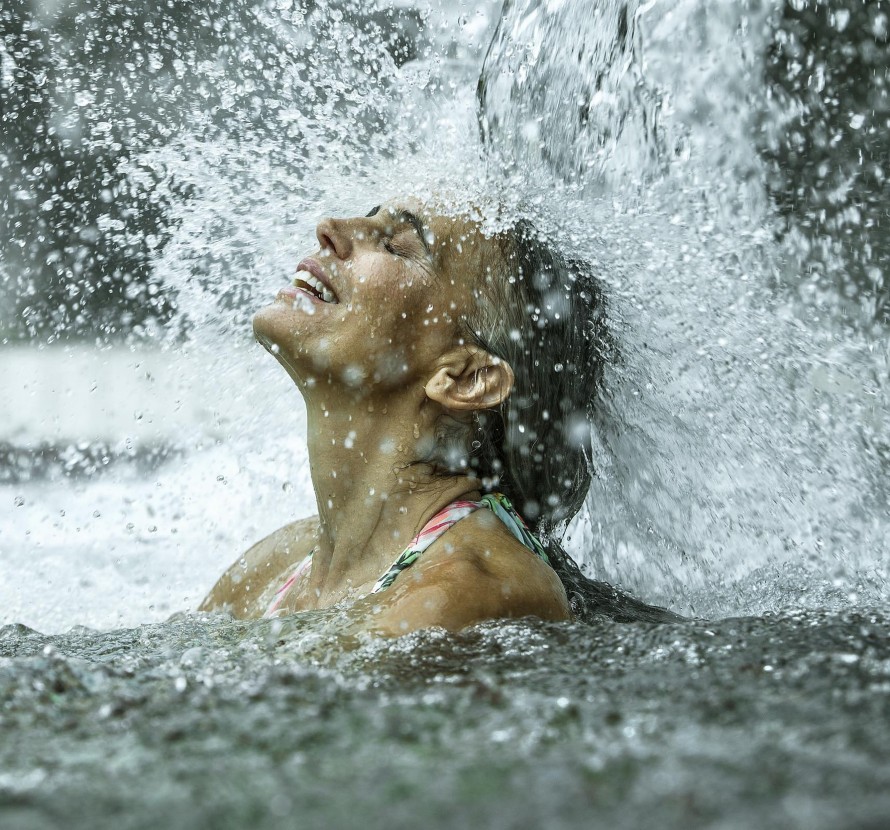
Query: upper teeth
[[316, 285]]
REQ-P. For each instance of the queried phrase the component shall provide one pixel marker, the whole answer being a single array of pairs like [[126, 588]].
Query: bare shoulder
[[242, 588], [477, 571]]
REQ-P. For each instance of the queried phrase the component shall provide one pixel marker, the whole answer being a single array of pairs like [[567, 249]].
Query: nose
[[336, 236]]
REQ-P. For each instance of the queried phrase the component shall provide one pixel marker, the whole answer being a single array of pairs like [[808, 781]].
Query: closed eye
[[396, 249]]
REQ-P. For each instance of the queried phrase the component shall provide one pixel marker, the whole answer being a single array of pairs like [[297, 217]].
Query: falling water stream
[[721, 166]]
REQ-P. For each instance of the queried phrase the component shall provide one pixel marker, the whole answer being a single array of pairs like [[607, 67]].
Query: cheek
[[364, 361], [402, 310], [391, 367], [391, 352]]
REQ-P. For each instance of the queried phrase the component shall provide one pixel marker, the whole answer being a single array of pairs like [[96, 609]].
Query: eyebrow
[[412, 219]]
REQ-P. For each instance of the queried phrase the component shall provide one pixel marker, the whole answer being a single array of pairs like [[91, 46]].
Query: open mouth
[[314, 286]]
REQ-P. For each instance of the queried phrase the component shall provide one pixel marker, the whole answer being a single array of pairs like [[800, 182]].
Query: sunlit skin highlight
[[378, 367]]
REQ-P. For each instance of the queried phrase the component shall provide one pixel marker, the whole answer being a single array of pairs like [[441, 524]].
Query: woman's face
[[382, 298]]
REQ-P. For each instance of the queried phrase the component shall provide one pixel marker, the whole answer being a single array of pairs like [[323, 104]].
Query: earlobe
[[471, 380]]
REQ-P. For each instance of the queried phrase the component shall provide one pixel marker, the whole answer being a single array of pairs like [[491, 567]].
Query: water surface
[[748, 722]]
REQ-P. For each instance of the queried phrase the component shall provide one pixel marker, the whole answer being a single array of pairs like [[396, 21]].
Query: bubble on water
[[841, 18]]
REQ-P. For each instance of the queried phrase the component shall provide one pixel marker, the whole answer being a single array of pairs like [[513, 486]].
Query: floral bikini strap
[[498, 503]]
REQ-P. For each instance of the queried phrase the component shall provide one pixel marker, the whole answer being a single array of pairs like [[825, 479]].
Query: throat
[[372, 491]]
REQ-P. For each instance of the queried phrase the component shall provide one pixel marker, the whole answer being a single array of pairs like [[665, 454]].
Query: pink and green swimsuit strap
[[281, 593], [498, 503]]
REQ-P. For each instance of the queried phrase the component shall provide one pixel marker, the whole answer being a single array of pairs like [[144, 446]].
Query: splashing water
[[743, 430], [741, 439]]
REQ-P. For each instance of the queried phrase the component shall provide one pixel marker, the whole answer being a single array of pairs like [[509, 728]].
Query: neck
[[373, 494]]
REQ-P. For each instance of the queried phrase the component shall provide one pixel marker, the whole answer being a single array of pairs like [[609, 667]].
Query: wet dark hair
[[546, 315]]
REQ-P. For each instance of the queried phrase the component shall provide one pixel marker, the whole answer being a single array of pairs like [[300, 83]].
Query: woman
[[446, 374]]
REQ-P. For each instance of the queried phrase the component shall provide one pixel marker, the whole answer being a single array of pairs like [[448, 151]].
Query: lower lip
[[291, 292]]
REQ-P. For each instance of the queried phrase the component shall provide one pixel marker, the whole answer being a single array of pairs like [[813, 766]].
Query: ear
[[469, 378]]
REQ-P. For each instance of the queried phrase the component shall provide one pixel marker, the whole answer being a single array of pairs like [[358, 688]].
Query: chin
[[273, 327], [277, 324], [278, 329], [264, 323]]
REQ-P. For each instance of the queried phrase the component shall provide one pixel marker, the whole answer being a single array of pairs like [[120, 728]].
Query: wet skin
[[398, 294], [371, 333]]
